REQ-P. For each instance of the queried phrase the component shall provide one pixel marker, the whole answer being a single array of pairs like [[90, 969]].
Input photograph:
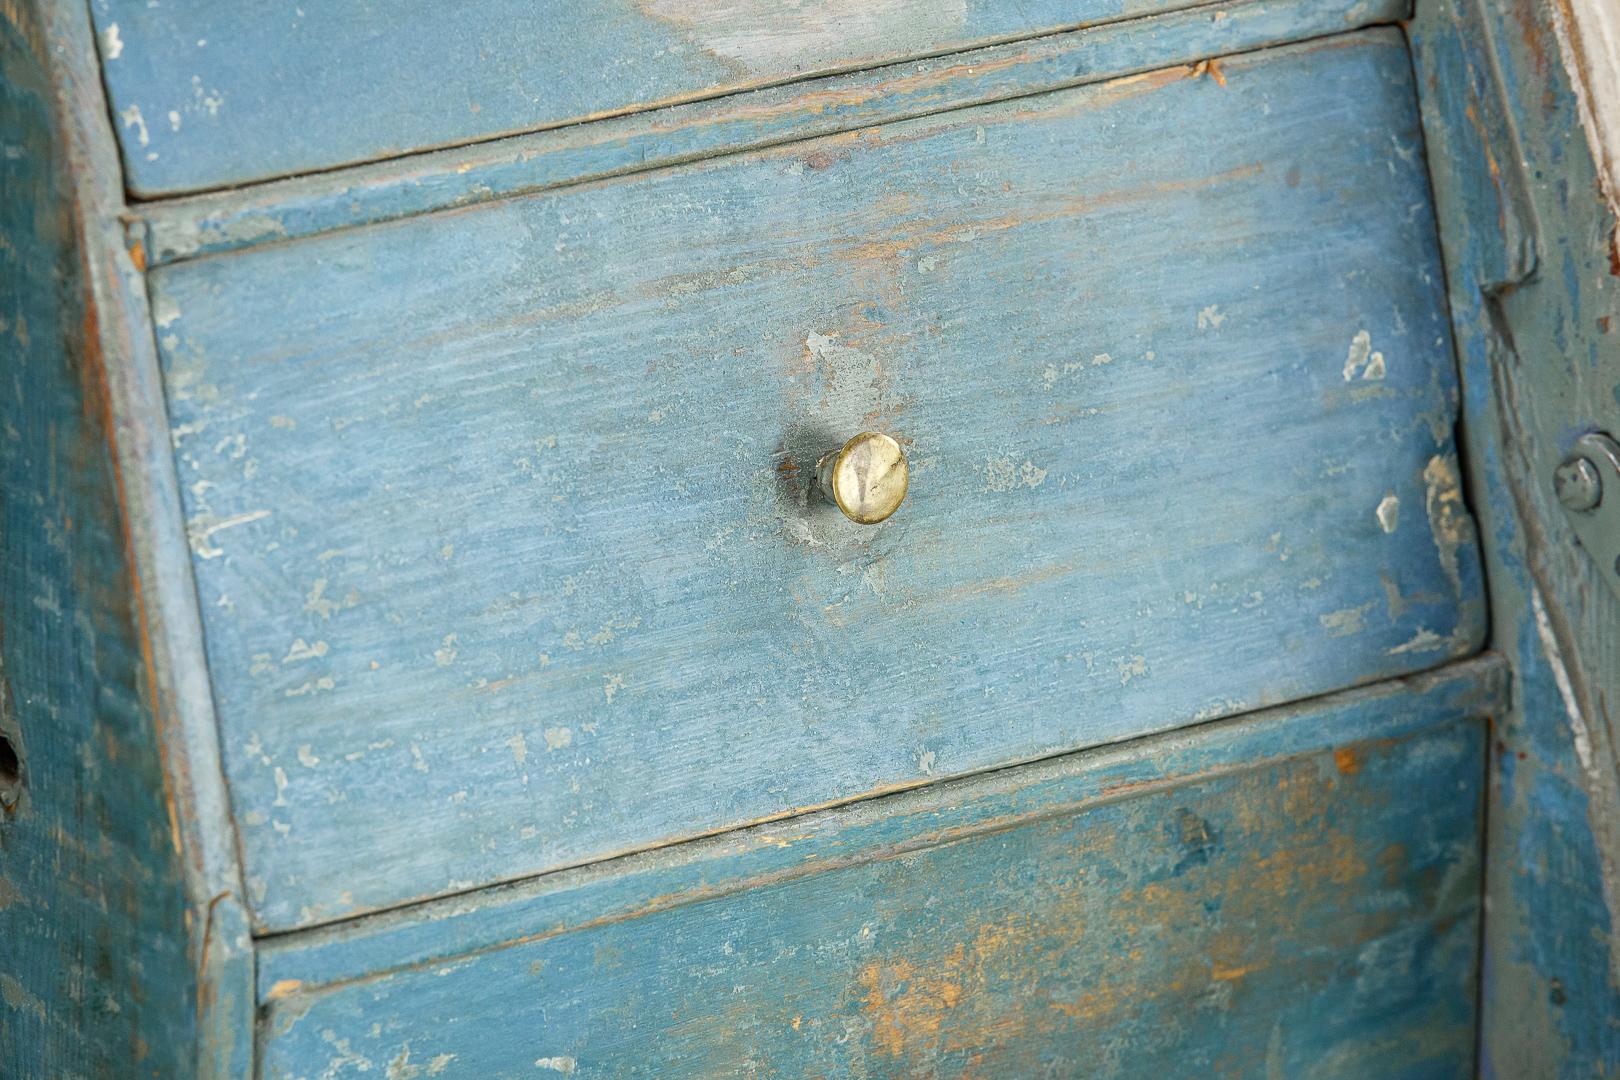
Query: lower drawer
[[1295, 894]]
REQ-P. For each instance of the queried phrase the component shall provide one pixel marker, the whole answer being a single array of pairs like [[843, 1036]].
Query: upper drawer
[[499, 515], [209, 94]]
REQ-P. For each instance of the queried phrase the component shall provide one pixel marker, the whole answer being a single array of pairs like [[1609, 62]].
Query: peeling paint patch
[[520, 749], [313, 686], [557, 737], [1346, 621], [1449, 522], [112, 45], [302, 650], [1210, 318], [565, 1065], [283, 988], [1133, 668], [1425, 640], [1388, 512], [18, 997], [200, 531], [132, 119], [1005, 474], [1362, 360]]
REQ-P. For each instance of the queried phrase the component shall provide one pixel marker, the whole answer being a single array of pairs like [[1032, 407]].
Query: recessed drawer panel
[[1293, 898], [209, 94], [500, 516]]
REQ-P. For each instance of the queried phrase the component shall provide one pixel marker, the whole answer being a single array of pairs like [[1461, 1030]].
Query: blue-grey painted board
[[499, 517], [241, 217], [1294, 894], [95, 974], [212, 94]]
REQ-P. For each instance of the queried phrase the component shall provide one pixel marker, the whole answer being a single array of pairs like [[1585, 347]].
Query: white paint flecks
[[557, 1064], [1362, 360], [316, 602], [164, 310], [112, 46], [520, 749], [1388, 512], [1005, 474], [313, 686], [205, 100], [611, 685], [445, 655], [302, 650], [1424, 641], [132, 119], [1210, 318], [200, 530]]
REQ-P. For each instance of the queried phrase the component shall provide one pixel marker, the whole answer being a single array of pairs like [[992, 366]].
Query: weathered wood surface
[[222, 221], [1536, 301], [123, 940], [499, 516], [1289, 894], [216, 94], [95, 977]]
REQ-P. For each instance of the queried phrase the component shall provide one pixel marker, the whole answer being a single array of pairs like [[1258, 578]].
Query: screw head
[[1578, 484]]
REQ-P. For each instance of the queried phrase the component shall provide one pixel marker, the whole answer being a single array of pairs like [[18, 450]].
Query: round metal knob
[[866, 478]]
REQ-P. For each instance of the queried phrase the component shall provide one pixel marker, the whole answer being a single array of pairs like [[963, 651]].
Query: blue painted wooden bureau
[[933, 539]]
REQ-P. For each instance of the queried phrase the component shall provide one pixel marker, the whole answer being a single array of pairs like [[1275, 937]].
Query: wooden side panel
[[1293, 895], [500, 520], [1536, 298], [214, 94], [95, 976]]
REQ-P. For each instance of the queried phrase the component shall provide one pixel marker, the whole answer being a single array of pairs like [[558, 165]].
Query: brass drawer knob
[[866, 478]]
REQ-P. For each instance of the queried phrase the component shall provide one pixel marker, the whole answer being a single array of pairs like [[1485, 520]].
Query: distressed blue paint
[[500, 522], [225, 221], [95, 976], [431, 934], [1283, 895], [1512, 176], [212, 94]]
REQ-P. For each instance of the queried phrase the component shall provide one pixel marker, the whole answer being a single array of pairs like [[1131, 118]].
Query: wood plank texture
[[217, 94], [1290, 894], [223, 221], [500, 522], [95, 974]]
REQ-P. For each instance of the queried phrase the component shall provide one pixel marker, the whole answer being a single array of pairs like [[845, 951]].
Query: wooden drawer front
[[209, 94], [499, 516], [1298, 898]]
